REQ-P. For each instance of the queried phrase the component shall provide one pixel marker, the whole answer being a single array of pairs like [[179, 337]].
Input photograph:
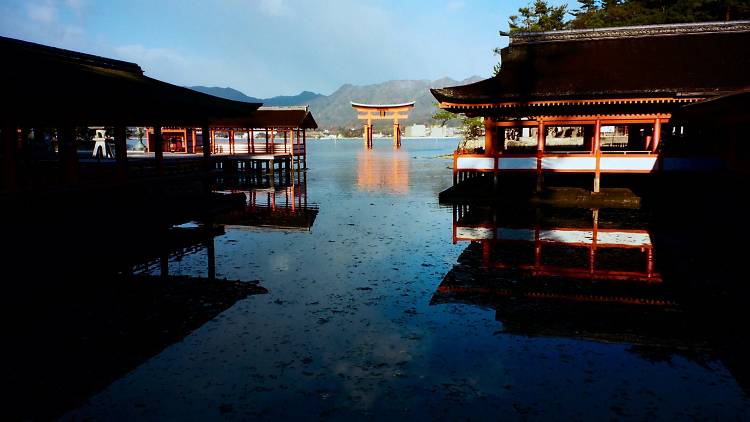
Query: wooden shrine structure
[[370, 112], [603, 101], [52, 92]]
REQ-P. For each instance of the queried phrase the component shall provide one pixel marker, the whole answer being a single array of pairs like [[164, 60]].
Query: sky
[[266, 48]]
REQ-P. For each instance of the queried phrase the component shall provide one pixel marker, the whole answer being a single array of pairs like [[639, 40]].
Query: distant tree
[[443, 116], [472, 127]]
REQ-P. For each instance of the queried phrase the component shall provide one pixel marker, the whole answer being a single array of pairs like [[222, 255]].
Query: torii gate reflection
[[372, 112]]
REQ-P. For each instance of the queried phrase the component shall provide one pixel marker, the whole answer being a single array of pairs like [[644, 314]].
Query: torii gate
[[372, 112]]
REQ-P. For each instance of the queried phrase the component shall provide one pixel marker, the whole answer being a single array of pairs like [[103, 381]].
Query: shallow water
[[353, 323]]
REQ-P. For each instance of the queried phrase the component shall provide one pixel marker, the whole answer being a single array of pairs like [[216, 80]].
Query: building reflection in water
[[283, 205], [100, 308], [379, 170], [595, 275], [578, 273]]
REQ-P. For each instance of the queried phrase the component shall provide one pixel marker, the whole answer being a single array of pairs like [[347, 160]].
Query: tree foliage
[[442, 117], [539, 16], [472, 127]]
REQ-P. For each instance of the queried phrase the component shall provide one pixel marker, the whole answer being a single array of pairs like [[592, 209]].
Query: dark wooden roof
[[47, 86], [695, 60], [729, 108], [295, 117]]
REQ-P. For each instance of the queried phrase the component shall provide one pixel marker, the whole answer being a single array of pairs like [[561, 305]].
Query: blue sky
[[274, 47]]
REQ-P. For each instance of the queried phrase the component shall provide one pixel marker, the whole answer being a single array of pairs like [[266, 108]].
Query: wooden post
[[489, 136], [185, 139], [657, 135], [68, 154], [304, 148], [231, 142], [541, 137], [365, 134], [455, 168], [195, 139], [121, 152], [10, 143], [598, 154], [594, 240], [211, 252], [158, 150], [252, 140]]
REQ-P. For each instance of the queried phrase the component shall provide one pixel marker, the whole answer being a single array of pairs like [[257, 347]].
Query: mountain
[[228, 93], [335, 110], [304, 98]]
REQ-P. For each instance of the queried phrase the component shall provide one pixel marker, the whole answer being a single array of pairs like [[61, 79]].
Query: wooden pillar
[[68, 154], [541, 136], [158, 150], [396, 134], [211, 258], [657, 135], [185, 139], [594, 240], [195, 139], [252, 141], [231, 142], [489, 136], [366, 134], [455, 168], [206, 147], [304, 148], [10, 149], [121, 152], [598, 155]]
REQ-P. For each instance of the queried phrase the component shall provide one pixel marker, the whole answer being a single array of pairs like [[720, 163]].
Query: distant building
[[442, 132], [416, 131]]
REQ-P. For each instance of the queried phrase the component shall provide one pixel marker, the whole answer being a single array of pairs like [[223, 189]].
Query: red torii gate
[[372, 112]]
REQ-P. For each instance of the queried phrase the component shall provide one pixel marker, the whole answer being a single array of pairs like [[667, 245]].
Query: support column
[[195, 139], [366, 134], [251, 147], [158, 150], [598, 154], [304, 148], [396, 134], [231, 142], [541, 136], [68, 155], [121, 152], [657, 135], [185, 139], [489, 136]]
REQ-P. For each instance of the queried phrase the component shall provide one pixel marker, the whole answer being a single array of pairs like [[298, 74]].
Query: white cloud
[[42, 12], [274, 7]]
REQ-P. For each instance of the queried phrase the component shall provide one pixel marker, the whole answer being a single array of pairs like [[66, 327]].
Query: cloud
[[42, 12], [274, 7]]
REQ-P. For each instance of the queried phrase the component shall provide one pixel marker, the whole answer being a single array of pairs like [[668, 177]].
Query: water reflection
[[383, 170], [87, 322], [284, 207], [592, 274]]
